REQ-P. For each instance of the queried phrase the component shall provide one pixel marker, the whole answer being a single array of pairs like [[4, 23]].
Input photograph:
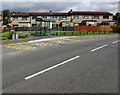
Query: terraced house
[[0, 18], [71, 18]]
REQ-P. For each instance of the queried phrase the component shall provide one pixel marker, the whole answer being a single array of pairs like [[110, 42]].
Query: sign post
[[58, 27]]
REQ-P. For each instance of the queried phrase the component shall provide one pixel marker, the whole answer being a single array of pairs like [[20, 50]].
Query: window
[[44, 16], [15, 18], [34, 25], [105, 17], [106, 23], [76, 24], [24, 18], [85, 17], [60, 18], [95, 17], [15, 25], [55, 17], [34, 17], [76, 16], [64, 17]]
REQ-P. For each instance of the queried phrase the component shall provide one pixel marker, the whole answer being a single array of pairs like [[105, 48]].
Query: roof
[[89, 21], [91, 13], [43, 14], [45, 20], [62, 14], [20, 14], [108, 21], [53, 14]]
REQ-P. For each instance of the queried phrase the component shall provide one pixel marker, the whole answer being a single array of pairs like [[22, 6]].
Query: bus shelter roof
[[45, 20]]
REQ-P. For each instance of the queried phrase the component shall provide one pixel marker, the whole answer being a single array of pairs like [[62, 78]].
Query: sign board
[[12, 30], [58, 22], [50, 25], [90, 23]]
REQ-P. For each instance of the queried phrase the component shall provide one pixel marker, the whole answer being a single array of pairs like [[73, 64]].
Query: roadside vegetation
[[6, 35]]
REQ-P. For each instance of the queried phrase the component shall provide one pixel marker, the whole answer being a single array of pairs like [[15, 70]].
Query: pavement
[[27, 39], [74, 64]]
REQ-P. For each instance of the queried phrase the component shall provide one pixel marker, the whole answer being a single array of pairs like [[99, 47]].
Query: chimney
[[70, 11], [50, 11]]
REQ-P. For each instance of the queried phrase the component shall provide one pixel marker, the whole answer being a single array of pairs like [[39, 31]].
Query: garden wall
[[97, 28]]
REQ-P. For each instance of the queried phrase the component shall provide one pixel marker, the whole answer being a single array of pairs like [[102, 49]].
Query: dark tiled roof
[[53, 14], [63, 14], [90, 20], [43, 14], [39, 13], [91, 13], [20, 14]]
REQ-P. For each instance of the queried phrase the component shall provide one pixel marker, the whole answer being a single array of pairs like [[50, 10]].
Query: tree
[[117, 17], [6, 16]]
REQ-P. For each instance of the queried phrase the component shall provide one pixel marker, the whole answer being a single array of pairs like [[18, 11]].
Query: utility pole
[[58, 28]]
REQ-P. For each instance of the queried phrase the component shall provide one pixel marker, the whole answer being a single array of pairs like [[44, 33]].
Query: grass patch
[[5, 35], [4, 38], [23, 36], [75, 33]]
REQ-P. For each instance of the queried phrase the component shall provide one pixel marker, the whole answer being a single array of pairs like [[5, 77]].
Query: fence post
[[87, 32], [72, 33], [62, 28], [9, 33], [104, 32], [40, 33], [56, 33], [80, 32], [99, 32], [64, 33]]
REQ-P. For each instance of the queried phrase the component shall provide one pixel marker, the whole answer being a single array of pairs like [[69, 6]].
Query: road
[[81, 64]]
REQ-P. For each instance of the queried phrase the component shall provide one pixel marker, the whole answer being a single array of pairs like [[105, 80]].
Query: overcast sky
[[37, 6]]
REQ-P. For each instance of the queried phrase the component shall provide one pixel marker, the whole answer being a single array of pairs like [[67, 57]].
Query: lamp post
[[58, 27]]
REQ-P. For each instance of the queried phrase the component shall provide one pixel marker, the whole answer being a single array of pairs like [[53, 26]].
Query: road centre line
[[50, 68], [48, 39], [14, 53], [98, 48], [115, 41]]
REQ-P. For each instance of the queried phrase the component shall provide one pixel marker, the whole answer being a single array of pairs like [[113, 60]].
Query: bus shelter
[[44, 26]]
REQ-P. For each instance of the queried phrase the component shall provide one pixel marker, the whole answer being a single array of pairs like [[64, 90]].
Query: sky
[[60, 5]]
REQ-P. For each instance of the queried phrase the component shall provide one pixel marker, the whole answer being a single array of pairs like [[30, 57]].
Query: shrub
[[3, 38], [23, 36]]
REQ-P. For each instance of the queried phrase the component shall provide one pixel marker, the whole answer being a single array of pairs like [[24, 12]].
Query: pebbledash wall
[[71, 18]]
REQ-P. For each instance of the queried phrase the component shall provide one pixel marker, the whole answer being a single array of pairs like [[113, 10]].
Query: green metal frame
[[47, 22]]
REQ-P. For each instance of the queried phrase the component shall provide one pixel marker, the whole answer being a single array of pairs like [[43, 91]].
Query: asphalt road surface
[[81, 64]]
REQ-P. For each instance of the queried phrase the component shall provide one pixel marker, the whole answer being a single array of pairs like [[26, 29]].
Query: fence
[[87, 28], [76, 28], [1, 28], [98, 28], [6, 29]]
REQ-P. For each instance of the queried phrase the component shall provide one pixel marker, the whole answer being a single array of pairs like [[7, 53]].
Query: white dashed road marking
[[50, 68], [115, 42], [98, 48]]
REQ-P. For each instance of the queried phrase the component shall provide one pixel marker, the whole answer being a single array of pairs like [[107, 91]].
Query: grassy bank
[[70, 33], [5, 35], [67, 33]]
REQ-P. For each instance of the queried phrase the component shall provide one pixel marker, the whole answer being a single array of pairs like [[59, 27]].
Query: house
[[0, 18], [92, 18], [71, 18]]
